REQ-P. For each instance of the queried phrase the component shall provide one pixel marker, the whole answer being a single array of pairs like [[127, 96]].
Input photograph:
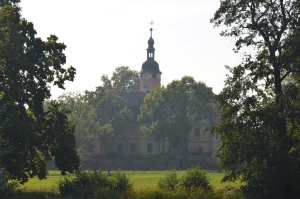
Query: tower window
[[154, 75], [146, 88]]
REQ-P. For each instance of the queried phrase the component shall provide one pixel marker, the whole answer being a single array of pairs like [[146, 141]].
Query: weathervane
[[151, 23]]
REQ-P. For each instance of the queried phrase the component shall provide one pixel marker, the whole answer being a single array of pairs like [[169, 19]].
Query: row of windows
[[149, 147], [153, 75], [133, 131]]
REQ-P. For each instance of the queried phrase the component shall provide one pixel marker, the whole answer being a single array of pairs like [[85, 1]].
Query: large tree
[[29, 135], [260, 125], [174, 109], [122, 79], [112, 117], [84, 116]]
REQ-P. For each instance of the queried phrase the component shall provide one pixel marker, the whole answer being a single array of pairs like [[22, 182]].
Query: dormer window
[[136, 100]]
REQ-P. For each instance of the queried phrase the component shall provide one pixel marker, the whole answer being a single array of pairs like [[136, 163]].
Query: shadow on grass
[[35, 195]]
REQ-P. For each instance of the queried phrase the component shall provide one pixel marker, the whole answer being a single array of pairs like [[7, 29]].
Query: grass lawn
[[140, 179]]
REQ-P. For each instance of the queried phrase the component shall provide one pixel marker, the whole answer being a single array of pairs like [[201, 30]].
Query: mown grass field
[[140, 179]]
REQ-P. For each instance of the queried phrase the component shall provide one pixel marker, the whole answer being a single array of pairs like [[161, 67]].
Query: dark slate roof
[[133, 98], [150, 44], [150, 66]]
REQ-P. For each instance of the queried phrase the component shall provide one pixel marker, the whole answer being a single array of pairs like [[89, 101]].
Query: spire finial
[[151, 23]]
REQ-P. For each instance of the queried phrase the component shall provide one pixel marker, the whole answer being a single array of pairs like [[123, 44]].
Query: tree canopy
[[84, 116], [260, 125], [174, 109], [30, 135], [111, 117], [122, 79]]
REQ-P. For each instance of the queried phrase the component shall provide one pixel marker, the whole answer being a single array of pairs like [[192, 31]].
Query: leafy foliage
[[173, 110], [29, 135], [9, 191], [169, 181], [111, 116], [195, 177], [260, 125], [84, 116], [95, 184], [122, 79]]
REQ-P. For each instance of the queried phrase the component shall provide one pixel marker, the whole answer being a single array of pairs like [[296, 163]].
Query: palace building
[[199, 144]]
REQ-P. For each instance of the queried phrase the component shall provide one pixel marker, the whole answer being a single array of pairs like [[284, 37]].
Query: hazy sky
[[103, 34]]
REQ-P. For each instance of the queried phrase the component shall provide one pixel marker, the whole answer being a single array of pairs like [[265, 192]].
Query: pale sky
[[103, 34]]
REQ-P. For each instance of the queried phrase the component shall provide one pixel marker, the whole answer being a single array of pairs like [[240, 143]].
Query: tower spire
[[150, 73], [151, 23]]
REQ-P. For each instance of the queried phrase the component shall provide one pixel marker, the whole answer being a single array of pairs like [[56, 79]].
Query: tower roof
[[150, 41], [150, 65]]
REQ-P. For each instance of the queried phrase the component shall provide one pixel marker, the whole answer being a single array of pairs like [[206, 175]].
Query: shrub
[[195, 177], [120, 182], [94, 184], [169, 181], [9, 190]]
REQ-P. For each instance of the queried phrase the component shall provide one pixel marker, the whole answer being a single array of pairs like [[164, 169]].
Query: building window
[[197, 132], [154, 75], [149, 147], [133, 130], [120, 148], [132, 147], [200, 149], [136, 100]]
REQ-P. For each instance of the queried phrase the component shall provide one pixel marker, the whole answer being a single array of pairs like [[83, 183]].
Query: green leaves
[[260, 99], [84, 116], [111, 116], [175, 108], [29, 135], [123, 78]]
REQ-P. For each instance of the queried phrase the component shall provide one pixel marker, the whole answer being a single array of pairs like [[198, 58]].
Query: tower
[[150, 74]]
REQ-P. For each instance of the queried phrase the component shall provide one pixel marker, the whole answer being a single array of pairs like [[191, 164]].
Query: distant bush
[[95, 184], [195, 177], [181, 193], [9, 191], [169, 181], [119, 182]]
